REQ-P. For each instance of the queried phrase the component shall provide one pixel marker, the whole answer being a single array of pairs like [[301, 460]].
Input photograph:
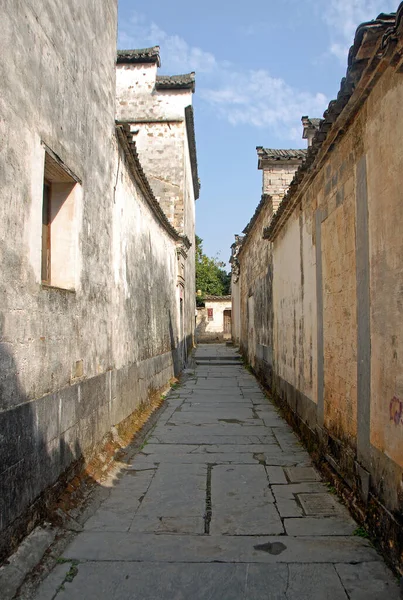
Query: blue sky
[[259, 67]]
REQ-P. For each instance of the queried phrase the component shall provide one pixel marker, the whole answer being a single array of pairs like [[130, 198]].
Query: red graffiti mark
[[396, 410]]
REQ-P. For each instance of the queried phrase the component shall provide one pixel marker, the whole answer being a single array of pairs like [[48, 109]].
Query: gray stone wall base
[[361, 492], [46, 441]]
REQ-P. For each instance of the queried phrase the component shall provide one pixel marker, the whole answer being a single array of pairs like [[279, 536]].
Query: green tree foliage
[[211, 277]]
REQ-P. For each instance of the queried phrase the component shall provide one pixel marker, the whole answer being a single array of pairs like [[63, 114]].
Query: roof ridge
[[281, 149], [182, 81], [280, 154], [129, 146], [139, 55]]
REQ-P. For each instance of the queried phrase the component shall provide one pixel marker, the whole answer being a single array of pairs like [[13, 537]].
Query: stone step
[[212, 363], [232, 359]]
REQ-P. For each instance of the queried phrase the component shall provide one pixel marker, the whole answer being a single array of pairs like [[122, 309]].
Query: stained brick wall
[[336, 302], [277, 177]]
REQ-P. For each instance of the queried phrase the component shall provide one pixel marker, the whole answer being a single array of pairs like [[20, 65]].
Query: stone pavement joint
[[221, 503]]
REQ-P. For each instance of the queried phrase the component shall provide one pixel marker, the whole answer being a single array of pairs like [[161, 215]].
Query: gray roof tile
[[140, 55], [125, 138], [175, 82], [279, 154], [217, 298]]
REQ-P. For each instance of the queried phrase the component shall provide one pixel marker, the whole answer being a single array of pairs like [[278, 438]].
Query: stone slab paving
[[222, 503]]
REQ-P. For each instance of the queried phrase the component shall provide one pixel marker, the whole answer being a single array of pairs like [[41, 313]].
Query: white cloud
[[240, 96], [177, 55], [254, 97], [343, 17]]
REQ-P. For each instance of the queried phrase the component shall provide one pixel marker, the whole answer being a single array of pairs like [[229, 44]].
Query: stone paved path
[[221, 504]]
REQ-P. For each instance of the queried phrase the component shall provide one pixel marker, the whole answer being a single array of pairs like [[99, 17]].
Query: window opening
[[59, 227], [46, 233]]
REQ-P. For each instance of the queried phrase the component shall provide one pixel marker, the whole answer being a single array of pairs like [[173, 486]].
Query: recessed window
[[59, 227], [210, 316]]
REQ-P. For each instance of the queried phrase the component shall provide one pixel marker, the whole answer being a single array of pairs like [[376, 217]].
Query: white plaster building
[[213, 321]]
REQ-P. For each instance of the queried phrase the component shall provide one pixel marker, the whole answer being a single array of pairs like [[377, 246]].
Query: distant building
[[278, 167], [213, 321]]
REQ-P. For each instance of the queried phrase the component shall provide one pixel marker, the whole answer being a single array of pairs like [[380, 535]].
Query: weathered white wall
[[209, 330], [137, 98], [77, 359], [384, 157], [58, 87], [337, 294], [217, 324], [158, 120], [255, 289], [145, 273], [294, 306], [236, 310]]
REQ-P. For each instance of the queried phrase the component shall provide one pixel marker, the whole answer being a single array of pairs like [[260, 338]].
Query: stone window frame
[[61, 195]]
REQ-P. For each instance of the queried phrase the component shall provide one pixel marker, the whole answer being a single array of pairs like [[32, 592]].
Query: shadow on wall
[[201, 328], [31, 459], [44, 442], [176, 353], [203, 336]]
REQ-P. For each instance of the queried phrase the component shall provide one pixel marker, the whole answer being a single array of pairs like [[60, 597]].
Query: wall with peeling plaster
[[74, 362], [157, 119], [336, 304], [255, 296]]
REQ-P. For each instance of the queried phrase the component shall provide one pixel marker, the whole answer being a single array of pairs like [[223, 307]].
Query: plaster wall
[[339, 290], [336, 303], [294, 305], [158, 118], [255, 289], [145, 322], [206, 329], [40, 325], [137, 99], [161, 147], [236, 311], [384, 155], [186, 222], [158, 121], [49, 334], [79, 358], [217, 324]]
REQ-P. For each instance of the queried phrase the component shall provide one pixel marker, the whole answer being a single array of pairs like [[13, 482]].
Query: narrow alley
[[222, 503]]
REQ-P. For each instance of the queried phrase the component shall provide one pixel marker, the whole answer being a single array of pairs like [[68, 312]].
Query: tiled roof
[[190, 130], [278, 154], [125, 138], [217, 298], [263, 200], [140, 55], [373, 41], [176, 82]]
